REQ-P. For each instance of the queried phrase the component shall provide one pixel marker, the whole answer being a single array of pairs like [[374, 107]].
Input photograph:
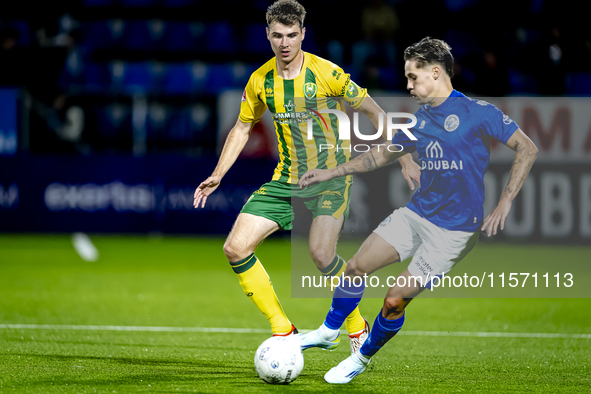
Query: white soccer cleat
[[358, 339], [347, 369], [322, 338]]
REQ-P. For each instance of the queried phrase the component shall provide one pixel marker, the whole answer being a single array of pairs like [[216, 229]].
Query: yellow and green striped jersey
[[320, 85]]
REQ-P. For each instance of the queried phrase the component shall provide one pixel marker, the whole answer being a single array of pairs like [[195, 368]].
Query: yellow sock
[[354, 322], [257, 286]]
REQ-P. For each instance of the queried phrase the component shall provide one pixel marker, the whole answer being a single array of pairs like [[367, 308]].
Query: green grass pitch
[[186, 282]]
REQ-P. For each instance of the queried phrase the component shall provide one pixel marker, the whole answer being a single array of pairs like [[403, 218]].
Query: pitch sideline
[[477, 334]]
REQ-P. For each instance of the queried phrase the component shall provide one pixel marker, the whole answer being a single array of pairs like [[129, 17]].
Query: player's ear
[[268, 38], [436, 72], [303, 33]]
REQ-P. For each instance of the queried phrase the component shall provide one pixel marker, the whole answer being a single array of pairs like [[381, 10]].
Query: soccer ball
[[279, 360]]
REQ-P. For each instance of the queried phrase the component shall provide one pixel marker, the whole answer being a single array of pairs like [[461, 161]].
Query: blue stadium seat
[[184, 37], [156, 129], [104, 34], [97, 76], [114, 121], [462, 43], [522, 83], [179, 125], [578, 84], [24, 33], [219, 78], [220, 37], [178, 78], [256, 39], [139, 77], [388, 78], [138, 36]]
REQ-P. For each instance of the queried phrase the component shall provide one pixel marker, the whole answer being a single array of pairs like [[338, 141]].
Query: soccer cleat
[[358, 339], [347, 369], [293, 331], [317, 339]]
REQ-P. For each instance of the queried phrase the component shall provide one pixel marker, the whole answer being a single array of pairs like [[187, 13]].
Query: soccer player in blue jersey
[[439, 227]]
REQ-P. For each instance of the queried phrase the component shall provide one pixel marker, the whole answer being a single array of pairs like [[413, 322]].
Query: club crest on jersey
[[310, 90], [353, 90], [451, 123]]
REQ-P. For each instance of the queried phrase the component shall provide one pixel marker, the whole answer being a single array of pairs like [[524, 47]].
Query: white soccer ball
[[279, 360]]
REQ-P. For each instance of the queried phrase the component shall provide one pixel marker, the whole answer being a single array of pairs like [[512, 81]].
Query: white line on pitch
[[480, 334]]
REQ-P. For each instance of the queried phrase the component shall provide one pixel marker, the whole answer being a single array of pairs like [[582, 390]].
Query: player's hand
[[313, 177], [496, 217], [206, 187], [411, 171]]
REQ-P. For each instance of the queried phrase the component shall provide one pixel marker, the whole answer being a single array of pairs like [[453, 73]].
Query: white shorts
[[435, 250]]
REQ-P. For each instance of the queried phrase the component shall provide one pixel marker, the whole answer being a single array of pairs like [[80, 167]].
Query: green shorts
[[274, 200]]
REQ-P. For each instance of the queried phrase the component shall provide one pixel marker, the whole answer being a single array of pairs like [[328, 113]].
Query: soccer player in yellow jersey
[[294, 86]]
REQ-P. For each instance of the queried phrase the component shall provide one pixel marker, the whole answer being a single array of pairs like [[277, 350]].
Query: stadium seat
[[256, 38], [220, 37], [522, 83], [578, 84], [139, 77], [184, 36], [24, 33], [179, 125], [178, 78], [97, 76], [114, 120], [138, 36]]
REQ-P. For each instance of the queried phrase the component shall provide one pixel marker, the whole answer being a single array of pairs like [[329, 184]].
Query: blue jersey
[[453, 143]]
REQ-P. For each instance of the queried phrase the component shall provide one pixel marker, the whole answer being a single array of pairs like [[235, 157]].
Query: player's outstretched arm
[[375, 158], [235, 142], [525, 155], [410, 170]]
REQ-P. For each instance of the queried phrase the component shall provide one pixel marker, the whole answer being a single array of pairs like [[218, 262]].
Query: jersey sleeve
[[341, 85], [498, 125], [251, 106]]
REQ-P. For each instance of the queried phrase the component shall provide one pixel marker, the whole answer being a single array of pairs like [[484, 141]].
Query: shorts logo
[[326, 204], [434, 150], [336, 193], [269, 92], [353, 90], [507, 119], [310, 90], [262, 190], [451, 123]]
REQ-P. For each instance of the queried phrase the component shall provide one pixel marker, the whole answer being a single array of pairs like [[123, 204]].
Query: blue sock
[[344, 301], [381, 332]]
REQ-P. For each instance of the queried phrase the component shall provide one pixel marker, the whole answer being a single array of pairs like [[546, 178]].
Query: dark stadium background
[[113, 111]]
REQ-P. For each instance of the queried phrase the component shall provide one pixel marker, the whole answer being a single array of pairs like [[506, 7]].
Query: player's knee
[[233, 252], [355, 268], [393, 307], [322, 258]]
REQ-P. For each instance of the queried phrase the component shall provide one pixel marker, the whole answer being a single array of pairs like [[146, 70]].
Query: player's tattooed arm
[[525, 155], [377, 157]]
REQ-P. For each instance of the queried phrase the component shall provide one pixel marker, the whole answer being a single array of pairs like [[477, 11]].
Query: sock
[[257, 286], [345, 300], [381, 332], [354, 322]]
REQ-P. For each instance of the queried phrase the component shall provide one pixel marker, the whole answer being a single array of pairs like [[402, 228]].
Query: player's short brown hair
[[287, 12], [431, 50]]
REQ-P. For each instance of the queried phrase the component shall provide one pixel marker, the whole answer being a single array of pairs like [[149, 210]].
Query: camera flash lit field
[[166, 315]]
